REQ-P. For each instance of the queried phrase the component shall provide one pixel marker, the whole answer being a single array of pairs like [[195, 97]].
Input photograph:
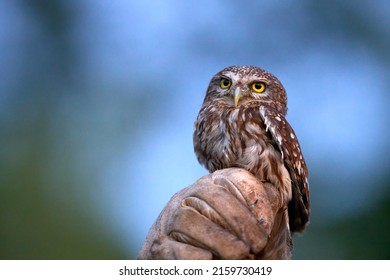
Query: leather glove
[[229, 214]]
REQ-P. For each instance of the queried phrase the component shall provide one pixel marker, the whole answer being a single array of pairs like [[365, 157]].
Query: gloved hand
[[229, 214]]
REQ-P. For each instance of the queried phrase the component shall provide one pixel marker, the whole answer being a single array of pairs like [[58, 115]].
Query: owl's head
[[247, 86]]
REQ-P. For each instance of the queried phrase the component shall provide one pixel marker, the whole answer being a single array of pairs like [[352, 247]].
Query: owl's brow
[[222, 76]]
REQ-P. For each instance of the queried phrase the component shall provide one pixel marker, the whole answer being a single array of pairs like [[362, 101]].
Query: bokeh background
[[98, 100]]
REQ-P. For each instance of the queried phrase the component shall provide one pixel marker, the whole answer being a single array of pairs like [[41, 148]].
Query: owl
[[242, 124]]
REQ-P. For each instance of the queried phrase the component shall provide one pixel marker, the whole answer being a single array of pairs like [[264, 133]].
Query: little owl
[[242, 124]]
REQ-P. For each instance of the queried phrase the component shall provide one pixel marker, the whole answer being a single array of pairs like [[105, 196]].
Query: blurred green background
[[98, 100]]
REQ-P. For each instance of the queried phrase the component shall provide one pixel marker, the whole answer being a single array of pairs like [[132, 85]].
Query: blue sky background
[[98, 100]]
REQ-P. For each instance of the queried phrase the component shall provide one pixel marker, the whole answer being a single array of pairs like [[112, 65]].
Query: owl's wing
[[285, 138]]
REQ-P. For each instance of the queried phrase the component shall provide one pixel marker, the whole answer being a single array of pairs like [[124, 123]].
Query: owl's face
[[238, 86]]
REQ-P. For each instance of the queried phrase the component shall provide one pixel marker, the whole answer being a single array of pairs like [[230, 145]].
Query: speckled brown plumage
[[242, 124]]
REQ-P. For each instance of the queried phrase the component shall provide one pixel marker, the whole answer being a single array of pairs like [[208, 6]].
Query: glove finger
[[253, 195], [191, 227], [173, 250], [237, 218]]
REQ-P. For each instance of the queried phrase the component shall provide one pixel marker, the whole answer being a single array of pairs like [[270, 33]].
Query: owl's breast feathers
[[244, 137]]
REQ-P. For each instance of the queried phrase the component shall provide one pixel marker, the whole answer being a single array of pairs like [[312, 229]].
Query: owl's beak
[[237, 95]]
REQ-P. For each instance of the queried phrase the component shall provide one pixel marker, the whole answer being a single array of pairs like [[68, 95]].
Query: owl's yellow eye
[[258, 87], [225, 83]]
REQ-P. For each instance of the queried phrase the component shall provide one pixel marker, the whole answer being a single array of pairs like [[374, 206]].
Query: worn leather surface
[[229, 214]]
